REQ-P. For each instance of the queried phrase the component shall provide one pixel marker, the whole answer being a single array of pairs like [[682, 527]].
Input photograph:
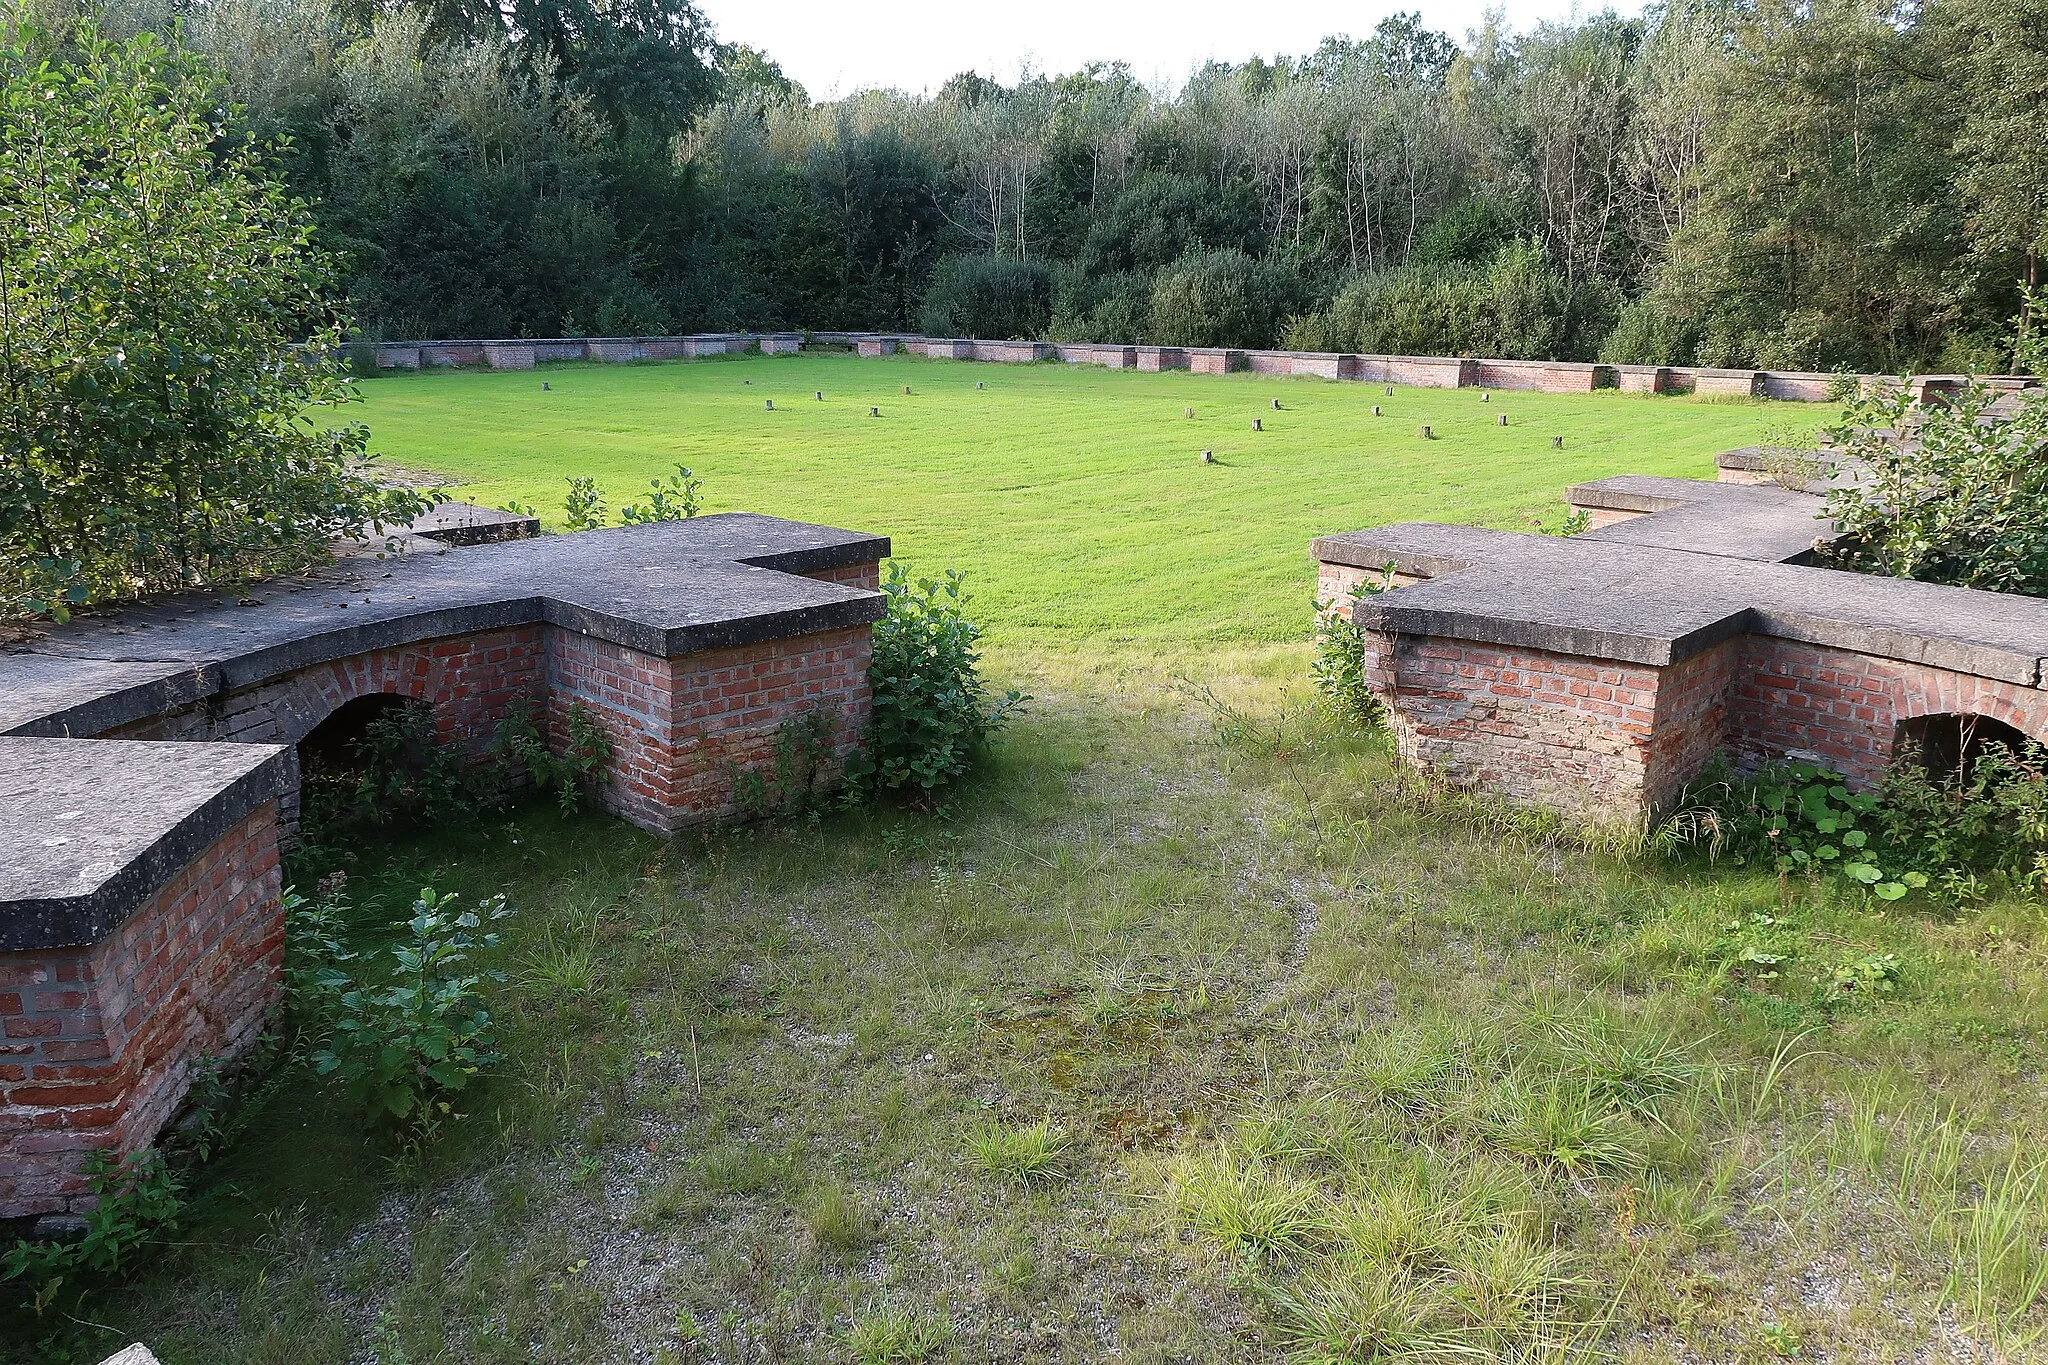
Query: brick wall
[[1845, 708], [1212, 361], [1610, 739], [682, 727], [98, 1043], [1560, 377], [1541, 728], [472, 680], [1642, 378]]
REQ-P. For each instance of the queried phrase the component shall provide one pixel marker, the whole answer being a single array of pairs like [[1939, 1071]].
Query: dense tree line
[[1784, 183]]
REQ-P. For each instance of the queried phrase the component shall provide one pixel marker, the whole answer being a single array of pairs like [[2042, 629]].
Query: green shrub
[[998, 297], [676, 498], [1338, 668], [932, 713], [569, 774], [423, 1034], [139, 1199], [583, 507], [1965, 502], [169, 358], [1220, 298], [1945, 834], [398, 773], [1515, 306]]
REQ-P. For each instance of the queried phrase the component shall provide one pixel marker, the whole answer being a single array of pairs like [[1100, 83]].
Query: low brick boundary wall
[[1436, 372], [112, 994]]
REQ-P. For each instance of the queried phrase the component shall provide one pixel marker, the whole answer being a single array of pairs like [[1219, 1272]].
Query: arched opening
[[334, 741], [1949, 745], [374, 758]]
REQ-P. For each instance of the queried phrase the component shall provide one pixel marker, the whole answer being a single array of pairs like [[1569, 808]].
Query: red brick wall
[[1559, 378], [472, 680], [1543, 728], [868, 575], [1845, 708], [681, 726], [1617, 741], [99, 1042]]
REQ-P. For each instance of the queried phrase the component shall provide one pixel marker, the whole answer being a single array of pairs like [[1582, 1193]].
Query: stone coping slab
[[1643, 604], [1739, 521], [90, 829], [666, 589]]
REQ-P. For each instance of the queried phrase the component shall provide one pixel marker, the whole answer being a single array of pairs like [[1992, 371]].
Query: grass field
[[1073, 496], [1192, 1030]]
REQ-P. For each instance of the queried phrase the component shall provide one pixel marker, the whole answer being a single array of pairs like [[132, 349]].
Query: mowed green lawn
[[1073, 496]]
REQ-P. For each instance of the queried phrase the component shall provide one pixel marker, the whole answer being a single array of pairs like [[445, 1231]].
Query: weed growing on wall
[[1952, 837], [139, 1199], [1338, 668], [803, 747], [932, 713], [521, 746]]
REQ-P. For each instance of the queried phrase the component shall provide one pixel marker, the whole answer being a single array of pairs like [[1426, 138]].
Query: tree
[[168, 352]]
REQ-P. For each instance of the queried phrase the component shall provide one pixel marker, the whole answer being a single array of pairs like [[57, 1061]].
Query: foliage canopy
[[166, 339]]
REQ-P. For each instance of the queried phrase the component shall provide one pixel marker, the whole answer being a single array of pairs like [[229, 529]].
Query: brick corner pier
[[1596, 674], [148, 768]]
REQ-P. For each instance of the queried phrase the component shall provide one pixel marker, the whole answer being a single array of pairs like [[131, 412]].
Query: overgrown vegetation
[[932, 711], [401, 771], [167, 338], [1193, 1047], [1960, 836], [406, 1030], [1338, 669], [1950, 495]]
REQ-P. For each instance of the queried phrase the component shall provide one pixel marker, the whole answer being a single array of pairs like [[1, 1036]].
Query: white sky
[[834, 47]]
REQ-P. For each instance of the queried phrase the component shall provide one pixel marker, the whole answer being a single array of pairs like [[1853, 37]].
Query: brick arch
[[1939, 692], [470, 680], [314, 696]]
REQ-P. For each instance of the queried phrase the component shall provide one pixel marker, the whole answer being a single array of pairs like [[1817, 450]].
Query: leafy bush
[[402, 1046], [931, 709], [1964, 502], [1338, 668], [1648, 332], [676, 498], [1919, 830], [139, 1198], [1114, 309], [568, 774], [1220, 298], [168, 355], [398, 772], [583, 507], [803, 746], [1161, 217], [998, 297], [1516, 306]]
